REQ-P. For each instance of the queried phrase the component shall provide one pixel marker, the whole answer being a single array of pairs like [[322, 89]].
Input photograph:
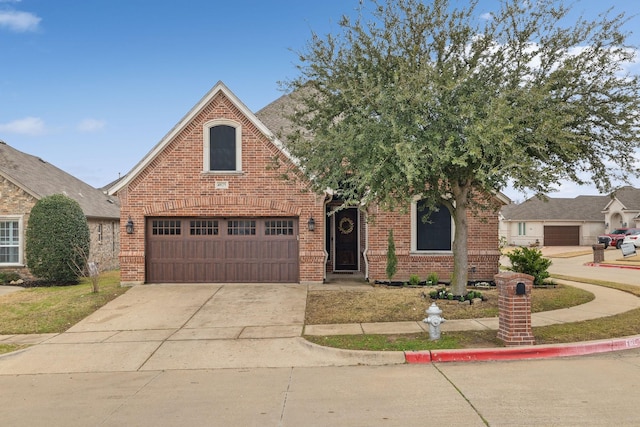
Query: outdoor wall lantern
[[311, 224], [129, 226]]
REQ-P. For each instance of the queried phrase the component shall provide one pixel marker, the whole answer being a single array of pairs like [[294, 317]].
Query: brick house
[[205, 206], [24, 179]]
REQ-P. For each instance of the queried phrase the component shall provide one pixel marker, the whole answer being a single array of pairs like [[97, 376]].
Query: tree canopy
[[423, 98]]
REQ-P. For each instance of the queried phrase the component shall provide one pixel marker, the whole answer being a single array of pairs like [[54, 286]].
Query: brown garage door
[[555, 235], [216, 250]]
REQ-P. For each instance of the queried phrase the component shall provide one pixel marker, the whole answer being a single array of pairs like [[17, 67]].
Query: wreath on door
[[345, 226]]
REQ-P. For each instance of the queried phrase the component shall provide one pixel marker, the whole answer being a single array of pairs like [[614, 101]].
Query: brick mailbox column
[[514, 305], [598, 253]]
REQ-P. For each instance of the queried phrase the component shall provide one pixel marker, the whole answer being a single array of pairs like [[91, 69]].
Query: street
[[587, 391]]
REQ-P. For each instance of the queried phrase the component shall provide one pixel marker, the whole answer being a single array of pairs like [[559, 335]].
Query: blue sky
[[92, 85]]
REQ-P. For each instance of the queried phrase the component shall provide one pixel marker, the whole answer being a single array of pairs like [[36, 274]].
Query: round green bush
[[530, 261], [57, 244]]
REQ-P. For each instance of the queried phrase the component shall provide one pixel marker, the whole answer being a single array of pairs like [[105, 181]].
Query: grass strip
[[55, 309]]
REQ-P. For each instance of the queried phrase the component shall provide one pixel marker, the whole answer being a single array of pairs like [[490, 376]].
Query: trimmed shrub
[[392, 259], [57, 239], [530, 261]]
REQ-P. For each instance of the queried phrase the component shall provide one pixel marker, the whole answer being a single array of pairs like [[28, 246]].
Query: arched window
[[222, 146]]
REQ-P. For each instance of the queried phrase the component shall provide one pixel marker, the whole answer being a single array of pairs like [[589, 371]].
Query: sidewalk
[[237, 326]]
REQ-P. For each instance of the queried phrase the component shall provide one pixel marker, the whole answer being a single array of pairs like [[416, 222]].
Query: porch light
[[311, 224], [129, 226]]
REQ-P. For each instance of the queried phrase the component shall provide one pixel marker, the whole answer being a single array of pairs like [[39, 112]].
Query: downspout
[[366, 246], [327, 199]]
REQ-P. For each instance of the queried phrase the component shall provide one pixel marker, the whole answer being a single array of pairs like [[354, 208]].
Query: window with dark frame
[[222, 148], [241, 228], [433, 229], [203, 228], [278, 228], [166, 227]]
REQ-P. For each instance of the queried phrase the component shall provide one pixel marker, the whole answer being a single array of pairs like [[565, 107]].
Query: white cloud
[[27, 126], [91, 125], [487, 16], [19, 21]]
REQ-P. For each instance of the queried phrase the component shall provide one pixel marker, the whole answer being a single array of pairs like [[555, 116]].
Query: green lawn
[[55, 309]]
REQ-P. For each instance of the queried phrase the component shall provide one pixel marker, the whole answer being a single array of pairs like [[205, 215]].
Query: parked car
[[614, 238], [633, 237]]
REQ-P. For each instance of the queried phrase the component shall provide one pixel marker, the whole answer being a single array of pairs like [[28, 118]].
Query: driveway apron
[[131, 330], [189, 326]]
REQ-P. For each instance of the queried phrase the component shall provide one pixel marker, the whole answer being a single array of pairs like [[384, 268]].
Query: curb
[[604, 264], [523, 353]]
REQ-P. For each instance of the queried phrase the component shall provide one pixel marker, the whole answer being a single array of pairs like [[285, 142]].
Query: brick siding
[[173, 185], [482, 248]]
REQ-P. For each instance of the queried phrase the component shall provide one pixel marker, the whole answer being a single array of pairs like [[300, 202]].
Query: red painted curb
[[417, 356], [628, 267], [525, 352]]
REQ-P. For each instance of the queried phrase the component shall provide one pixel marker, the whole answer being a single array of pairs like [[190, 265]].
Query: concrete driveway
[[163, 327]]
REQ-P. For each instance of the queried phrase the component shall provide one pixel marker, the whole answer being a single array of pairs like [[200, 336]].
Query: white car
[[634, 238]]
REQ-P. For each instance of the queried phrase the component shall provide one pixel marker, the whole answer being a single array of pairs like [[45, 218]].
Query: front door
[[346, 240]]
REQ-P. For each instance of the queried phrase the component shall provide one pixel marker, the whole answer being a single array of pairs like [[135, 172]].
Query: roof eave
[[20, 185]]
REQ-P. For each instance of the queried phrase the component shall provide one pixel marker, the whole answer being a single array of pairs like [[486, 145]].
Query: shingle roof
[[41, 179], [276, 115], [629, 197], [581, 208]]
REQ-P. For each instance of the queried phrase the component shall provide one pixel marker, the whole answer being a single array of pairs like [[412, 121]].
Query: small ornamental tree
[[531, 262], [392, 259], [57, 236]]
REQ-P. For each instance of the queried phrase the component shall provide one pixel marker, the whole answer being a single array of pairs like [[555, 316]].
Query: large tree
[[422, 98]]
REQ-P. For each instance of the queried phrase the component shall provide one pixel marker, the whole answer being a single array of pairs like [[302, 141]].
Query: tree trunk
[[460, 255]]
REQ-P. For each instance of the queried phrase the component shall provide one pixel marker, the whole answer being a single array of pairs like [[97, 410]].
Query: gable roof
[[184, 122], [41, 179], [628, 196], [581, 208]]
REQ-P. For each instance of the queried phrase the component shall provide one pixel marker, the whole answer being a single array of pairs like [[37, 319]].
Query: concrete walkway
[[160, 327], [173, 327]]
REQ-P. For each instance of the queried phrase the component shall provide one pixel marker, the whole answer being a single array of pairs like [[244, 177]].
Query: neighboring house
[[24, 179], [622, 209], [207, 205], [554, 221]]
